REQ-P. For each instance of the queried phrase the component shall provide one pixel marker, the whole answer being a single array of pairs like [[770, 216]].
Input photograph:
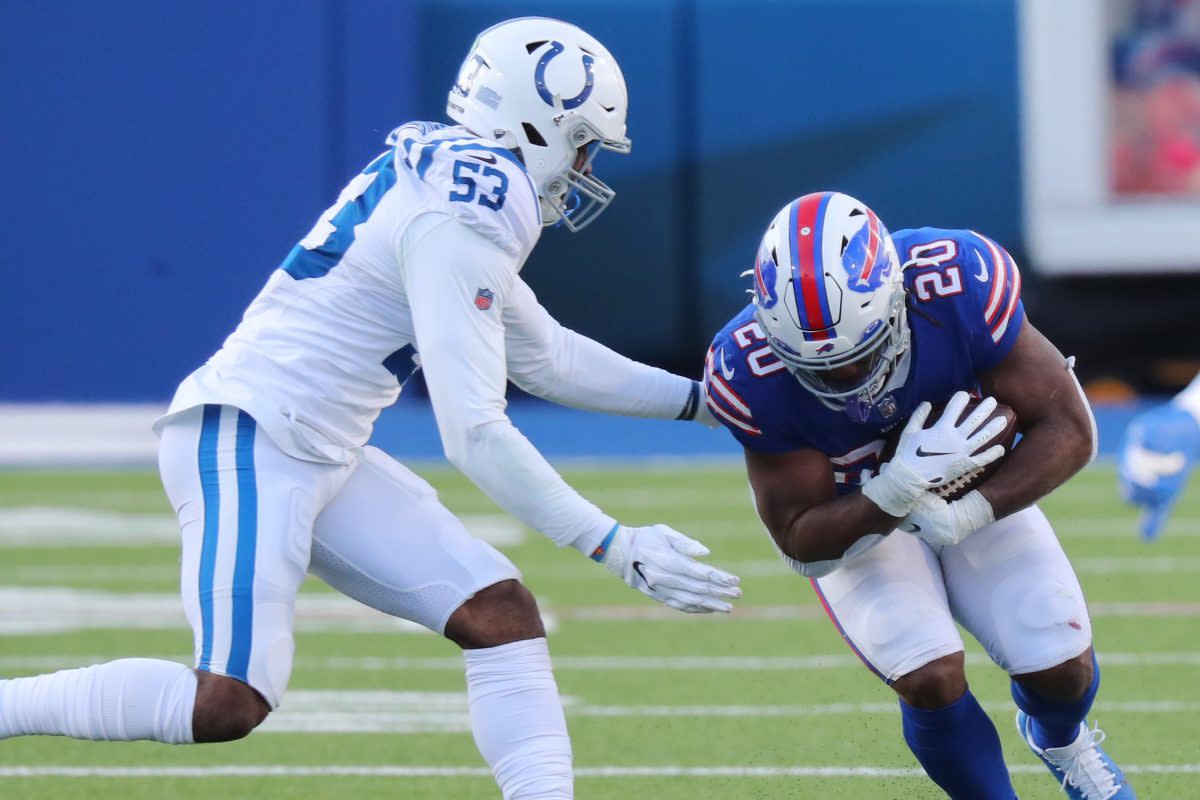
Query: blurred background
[[163, 157], [159, 159]]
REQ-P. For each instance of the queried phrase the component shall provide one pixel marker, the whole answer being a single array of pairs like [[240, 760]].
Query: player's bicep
[[532, 337], [457, 283], [1036, 380], [786, 485], [997, 312]]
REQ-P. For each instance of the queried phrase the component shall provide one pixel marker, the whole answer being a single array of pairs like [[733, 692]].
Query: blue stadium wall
[[161, 158]]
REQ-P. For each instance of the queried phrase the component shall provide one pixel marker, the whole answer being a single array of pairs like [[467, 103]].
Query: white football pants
[[254, 520], [1009, 584]]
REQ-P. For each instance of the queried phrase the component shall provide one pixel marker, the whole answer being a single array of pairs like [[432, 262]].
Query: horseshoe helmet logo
[[539, 77]]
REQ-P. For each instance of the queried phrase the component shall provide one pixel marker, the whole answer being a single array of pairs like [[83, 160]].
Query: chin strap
[[858, 409]]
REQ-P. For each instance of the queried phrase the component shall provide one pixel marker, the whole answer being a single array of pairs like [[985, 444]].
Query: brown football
[[957, 488]]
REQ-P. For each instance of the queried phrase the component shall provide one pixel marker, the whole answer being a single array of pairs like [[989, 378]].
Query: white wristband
[[972, 512], [894, 497]]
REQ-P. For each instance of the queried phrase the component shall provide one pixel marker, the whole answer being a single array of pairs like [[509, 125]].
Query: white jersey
[[329, 341], [416, 265]]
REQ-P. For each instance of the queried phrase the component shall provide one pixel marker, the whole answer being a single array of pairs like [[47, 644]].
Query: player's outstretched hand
[[929, 457], [940, 523], [1157, 454], [661, 562]]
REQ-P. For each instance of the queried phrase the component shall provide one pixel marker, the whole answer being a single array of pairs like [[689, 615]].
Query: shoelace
[[1086, 770]]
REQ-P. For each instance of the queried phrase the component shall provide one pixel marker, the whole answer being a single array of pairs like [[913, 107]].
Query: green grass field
[[766, 704]]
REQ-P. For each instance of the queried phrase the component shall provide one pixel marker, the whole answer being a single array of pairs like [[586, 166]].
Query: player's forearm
[[1048, 454], [510, 470], [582, 373], [826, 531]]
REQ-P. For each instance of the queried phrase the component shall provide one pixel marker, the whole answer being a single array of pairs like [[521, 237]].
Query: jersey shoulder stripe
[[723, 400], [1006, 287]]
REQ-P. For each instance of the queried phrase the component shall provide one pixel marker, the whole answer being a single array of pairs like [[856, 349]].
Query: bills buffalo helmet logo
[[866, 258], [484, 298], [765, 272], [825, 348]]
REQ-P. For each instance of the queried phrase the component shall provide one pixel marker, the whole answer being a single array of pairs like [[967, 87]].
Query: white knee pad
[[906, 629], [1041, 623]]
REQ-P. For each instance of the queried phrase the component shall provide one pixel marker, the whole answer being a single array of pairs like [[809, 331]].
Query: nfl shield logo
[[887, 406], [483, 299]]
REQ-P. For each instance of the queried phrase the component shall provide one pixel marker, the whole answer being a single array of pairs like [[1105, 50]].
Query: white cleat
[[1086, 771]]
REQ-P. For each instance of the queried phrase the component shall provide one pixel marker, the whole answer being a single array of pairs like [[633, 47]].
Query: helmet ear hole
[[533, 135]]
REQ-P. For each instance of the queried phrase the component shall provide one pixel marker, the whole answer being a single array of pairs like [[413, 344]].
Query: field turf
[[767, 704]]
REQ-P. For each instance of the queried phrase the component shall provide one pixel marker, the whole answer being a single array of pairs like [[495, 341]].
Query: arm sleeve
[[458, 282], [550, 361]]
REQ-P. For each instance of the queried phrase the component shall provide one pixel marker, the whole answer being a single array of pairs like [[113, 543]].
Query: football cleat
[[1086, 771]]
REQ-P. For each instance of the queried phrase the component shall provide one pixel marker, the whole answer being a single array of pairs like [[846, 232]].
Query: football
[[964, 484]]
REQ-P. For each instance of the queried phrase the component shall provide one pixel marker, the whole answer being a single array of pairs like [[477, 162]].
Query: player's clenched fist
[[929, 457], [661, 562]]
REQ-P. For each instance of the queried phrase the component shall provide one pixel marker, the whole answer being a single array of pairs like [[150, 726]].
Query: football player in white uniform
[[1157, 455], [263, 450]]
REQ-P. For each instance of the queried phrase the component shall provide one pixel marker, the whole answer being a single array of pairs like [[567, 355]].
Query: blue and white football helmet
[[830, 298], [545, 89]]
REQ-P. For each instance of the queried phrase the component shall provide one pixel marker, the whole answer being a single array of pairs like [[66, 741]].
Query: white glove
[[939, 523], [929, 457], [660, 562]]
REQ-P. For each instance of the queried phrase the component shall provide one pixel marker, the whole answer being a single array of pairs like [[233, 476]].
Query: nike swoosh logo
[[725, 370], [926, 453], [487, 159], [637, 567], [982, 275]]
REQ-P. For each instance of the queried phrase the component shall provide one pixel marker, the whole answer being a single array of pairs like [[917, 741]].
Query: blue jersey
[[964, 314]]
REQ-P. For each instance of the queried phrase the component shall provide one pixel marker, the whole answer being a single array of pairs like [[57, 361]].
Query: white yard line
[[34, 610], [775, 568], [68, 526], [27, 610], [41, 663], [65, 526], [793, 613], [667, 771], [321, 712]]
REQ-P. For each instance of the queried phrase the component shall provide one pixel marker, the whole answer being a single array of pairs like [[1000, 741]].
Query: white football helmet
[[544, 88], [829, 292]]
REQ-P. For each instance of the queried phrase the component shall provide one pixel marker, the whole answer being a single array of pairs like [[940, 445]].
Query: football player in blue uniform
[[852, 331], [1157, 454]]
